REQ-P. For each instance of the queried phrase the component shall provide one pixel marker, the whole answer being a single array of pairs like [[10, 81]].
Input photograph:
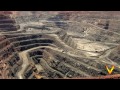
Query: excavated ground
[[35, 48]]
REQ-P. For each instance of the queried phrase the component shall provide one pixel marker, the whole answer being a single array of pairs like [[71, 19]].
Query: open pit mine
[[59, 44]]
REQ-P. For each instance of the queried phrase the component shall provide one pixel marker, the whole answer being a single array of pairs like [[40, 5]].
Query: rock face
[[7, 52], [115, 55], [7, 22]]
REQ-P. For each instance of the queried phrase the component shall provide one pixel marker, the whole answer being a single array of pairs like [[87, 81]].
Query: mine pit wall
[[55, 42], [7, 55], [12, 21], [115, 55], [26, 37], [3, 57], [28, 71], [71, 42], [8, 43], [8, 46], [68, 39], [55, 63], [49, 59], [2, 37], [31, 55], [8, 23], [13, 69], [4, 43], [46, 55], [5, 52], [31, 69]]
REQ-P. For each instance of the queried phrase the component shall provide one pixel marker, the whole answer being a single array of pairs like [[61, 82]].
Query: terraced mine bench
[[46, 59]]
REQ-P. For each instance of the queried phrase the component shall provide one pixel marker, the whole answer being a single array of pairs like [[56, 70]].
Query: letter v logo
[[110, 70]]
